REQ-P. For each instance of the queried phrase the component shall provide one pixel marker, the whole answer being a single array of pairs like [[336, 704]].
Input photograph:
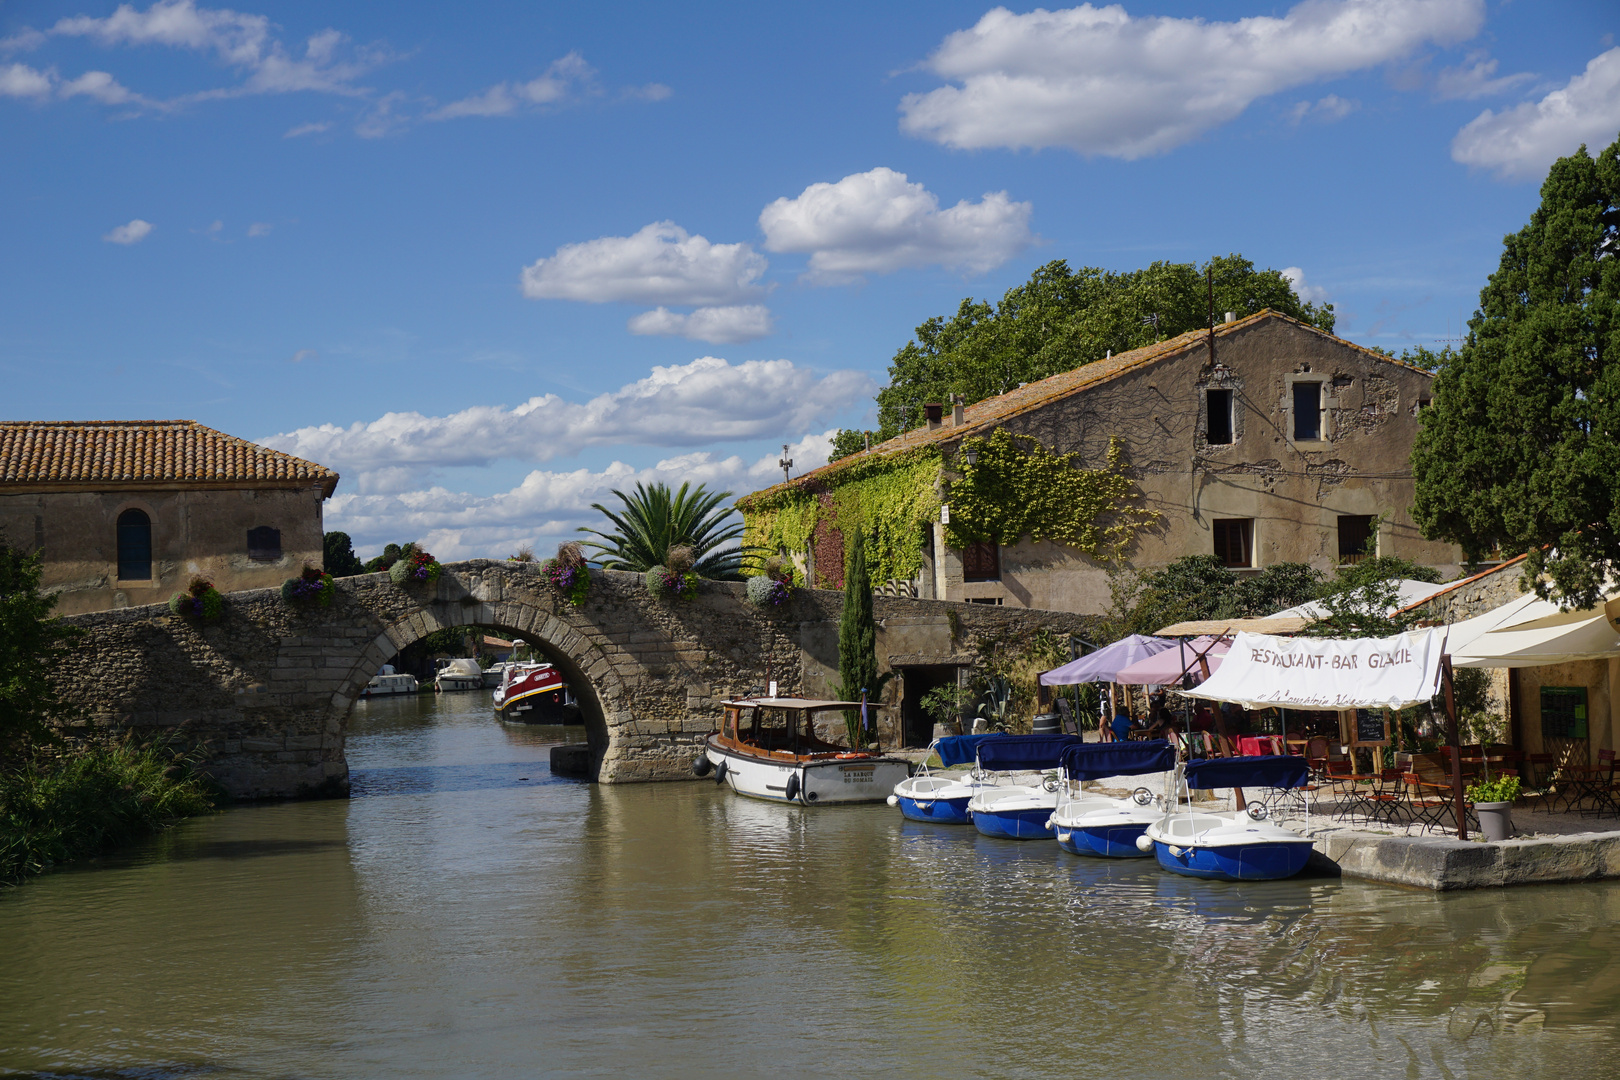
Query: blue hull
[[1244, 862], [1107, 841], [943, 811], [1015, 824]]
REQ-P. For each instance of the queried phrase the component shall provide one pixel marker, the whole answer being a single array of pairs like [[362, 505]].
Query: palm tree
[[652, 521]]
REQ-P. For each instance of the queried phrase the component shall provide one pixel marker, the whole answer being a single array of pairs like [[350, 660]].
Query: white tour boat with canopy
[[767, 748]]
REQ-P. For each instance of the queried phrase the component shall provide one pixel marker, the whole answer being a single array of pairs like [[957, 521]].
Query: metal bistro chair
[[1596, 784], [1427, 804], [1538, 782], [1349, 790]]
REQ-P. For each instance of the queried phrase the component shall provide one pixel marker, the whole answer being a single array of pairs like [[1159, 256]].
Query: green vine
[[1018, 488], [891, 500]]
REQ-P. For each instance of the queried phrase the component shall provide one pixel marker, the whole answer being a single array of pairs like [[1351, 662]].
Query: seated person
[[1203, 719], [1121, 725]]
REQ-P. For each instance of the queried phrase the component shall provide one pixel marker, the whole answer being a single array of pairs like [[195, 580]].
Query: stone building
[[128, 512], [1264, 441]]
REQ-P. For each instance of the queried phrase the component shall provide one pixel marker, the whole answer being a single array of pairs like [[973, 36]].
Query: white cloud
[[102, 87], [1326, 110], [660, 264], [878, 221], [1311, 294], [303, 354], [716, 325], [1098, 81], [20, 80], [306, 129], [259, 228], [702, 402], [1475, 78], [650, 92], [1520, 143], [132, 233], [546, 507], [567, 78]]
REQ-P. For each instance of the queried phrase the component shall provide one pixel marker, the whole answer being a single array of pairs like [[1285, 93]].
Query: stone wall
[[266, 692]]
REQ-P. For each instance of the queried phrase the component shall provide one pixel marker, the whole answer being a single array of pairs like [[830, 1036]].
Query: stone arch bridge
[[265, 692]]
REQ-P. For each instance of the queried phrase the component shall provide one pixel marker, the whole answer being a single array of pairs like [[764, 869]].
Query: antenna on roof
[[786, 463]]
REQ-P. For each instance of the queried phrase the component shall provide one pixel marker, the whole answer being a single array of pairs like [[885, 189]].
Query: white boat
[[1019, 812], [386, 682], [767, 748], [1098, 825], [460, 674], [1243, 846], [493, 674], [929, 796], [535, 693]]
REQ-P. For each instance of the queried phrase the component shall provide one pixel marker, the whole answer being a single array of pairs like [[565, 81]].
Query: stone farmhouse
[[1262, 441], [128, 512]]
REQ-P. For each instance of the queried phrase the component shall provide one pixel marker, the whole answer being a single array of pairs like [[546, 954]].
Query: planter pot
[[1048, 724], [1495, 819]]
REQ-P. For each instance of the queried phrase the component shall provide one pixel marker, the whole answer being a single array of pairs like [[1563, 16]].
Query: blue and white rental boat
[[1232, 847], [943, 799], [1018, 812], [1096, 825]]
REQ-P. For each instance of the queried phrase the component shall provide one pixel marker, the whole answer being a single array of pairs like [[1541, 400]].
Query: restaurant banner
[[1329, 673]]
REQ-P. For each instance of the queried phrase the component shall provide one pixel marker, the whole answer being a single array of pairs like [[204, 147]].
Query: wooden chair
[[1351, 791], [1427, 804], [1537, 776], [1596, 783]]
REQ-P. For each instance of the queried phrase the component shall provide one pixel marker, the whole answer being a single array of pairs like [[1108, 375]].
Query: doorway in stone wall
[[916, 726]]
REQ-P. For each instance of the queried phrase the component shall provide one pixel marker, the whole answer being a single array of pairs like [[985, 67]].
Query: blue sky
[[490, 261]]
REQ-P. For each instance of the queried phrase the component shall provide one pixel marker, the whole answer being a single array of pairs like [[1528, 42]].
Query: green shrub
[[54, 811]]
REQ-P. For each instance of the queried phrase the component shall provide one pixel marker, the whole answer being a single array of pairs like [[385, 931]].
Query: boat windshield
[[775, 728]]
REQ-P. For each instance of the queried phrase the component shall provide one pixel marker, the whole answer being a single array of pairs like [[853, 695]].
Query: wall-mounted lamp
[[970, 454]]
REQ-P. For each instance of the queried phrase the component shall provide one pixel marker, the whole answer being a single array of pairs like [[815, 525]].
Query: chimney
[[958, 410], [1231, 316], [934, 413]]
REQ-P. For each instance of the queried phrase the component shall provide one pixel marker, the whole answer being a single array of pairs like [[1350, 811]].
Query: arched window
[[264, 544], [134, 546]]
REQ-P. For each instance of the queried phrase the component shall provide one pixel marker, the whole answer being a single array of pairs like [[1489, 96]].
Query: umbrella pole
[[1458, 807]]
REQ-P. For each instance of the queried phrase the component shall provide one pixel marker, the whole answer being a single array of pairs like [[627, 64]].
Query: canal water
[[467, 914]]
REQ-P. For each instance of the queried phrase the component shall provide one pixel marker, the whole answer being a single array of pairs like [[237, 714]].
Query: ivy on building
[[1018, 488]]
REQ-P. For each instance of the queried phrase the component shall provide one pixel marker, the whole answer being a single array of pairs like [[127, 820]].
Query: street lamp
[[970, 454]]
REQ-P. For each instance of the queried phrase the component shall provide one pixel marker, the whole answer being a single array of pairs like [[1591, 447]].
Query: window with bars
[[981, 561], [1234, 541]]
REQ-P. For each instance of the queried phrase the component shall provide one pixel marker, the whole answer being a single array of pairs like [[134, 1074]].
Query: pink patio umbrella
[[1166, 668]]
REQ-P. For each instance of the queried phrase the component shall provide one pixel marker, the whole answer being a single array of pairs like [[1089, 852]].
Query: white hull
[[459, 682], [819, 783]]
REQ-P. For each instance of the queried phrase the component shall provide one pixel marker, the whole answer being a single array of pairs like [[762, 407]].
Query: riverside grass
[[59, 810]]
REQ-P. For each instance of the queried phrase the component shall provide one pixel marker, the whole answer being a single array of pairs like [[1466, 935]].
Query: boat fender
[[1175, 852], [1144, 843], [720, 773], [701, 766], [893, 800], [792, 790], [1048, 824]]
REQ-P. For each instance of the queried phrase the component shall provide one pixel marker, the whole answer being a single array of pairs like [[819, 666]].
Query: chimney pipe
[[1231, 316]]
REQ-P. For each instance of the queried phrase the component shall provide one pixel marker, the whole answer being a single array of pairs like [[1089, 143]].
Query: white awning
[[1528, 632], [1329, 673]]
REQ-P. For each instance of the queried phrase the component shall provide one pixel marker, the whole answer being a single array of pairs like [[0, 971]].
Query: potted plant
[[1493, 802], [416, 566], [567, 573], [675, 579], [770, 590], [311, 588], [201, 601]]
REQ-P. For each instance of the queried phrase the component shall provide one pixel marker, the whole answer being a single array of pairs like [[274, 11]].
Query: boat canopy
[[1271, 770], [960, 749], [1010, 752], [1093, 761]]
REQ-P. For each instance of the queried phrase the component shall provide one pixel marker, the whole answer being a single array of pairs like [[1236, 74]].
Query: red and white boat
[[535, 694]]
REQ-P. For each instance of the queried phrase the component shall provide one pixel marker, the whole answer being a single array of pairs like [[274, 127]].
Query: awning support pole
[[1455, 743]]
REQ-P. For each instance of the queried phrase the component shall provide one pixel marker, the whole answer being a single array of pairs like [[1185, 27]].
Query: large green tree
[[652, 519], [31, 642], [1061, 319], [340, 559], [1521, 448]]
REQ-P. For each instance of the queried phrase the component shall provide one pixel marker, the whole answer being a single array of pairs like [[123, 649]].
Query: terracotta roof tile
[[980, 417], [155, 451]]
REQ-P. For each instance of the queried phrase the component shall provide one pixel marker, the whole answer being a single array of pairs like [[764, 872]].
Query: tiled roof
[[150, 451], [981, 416]]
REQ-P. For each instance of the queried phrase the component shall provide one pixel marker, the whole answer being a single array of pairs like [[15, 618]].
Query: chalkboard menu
[[1563, 712], [1372, 727]]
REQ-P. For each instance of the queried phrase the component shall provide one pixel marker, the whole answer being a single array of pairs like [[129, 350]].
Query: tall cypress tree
[[857, 637], [1522, 445]]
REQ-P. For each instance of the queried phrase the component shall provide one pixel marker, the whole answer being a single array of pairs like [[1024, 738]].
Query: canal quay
[[467, 914]]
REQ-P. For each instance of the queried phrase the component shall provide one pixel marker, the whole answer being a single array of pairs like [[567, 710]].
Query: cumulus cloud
[[1520, 143], [706, 401], [660, 264], [568, 78], [22, 81], [1326, 110], [1476, 78], [1311, 294], [546, 507], [1098, 81], [878, 221], [716, 325], [132, 233]]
